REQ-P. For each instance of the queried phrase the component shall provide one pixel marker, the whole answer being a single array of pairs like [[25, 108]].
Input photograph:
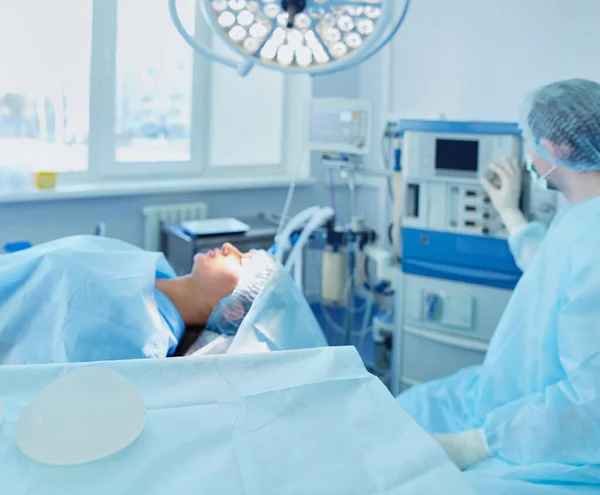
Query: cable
[[331, 187], [338, 328], [331, 323], [335, 326], [290, 194], [288, 202], [367, 328], [386, 140]]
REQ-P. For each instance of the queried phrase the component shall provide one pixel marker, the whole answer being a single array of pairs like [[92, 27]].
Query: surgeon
[[92, 299], [532, 410]]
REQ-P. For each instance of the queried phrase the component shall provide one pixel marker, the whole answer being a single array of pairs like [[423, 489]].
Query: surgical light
[[297, 36]]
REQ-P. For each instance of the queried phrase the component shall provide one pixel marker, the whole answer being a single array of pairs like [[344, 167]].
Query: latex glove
[[506, 197], [466, 448]]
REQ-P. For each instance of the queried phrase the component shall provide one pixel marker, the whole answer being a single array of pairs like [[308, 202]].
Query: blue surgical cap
[[227, 316], [566, 113]]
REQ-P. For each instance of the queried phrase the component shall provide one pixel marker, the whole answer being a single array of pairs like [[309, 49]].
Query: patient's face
[[217, 272]]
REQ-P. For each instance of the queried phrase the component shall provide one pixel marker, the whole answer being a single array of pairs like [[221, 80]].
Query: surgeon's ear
[[558, 152]]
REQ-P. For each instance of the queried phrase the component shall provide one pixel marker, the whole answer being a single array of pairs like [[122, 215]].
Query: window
[[112, 91], [154, 85], [45, 84]]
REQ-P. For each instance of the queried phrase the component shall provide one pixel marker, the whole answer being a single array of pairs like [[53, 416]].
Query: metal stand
[[355, 235]]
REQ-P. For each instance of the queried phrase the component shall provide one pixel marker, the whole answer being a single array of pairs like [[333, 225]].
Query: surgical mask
[[540, 181]]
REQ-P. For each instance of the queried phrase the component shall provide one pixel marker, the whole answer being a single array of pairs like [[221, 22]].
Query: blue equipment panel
[[454, 127], [462, 258]]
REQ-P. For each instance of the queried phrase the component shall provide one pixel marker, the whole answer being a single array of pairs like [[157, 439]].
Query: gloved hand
[[506, 197], [466, 448]]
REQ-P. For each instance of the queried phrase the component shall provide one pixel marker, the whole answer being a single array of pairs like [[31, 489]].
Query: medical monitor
[[456, 154]]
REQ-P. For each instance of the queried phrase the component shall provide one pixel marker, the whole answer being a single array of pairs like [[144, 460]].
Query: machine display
[[457, 155], [442, 162]]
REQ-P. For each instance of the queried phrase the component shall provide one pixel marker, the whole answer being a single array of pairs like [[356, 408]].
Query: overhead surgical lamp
[[297, 36]]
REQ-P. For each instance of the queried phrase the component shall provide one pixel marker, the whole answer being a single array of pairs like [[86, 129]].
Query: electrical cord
[[331, 188], [385, 140], [292, 189]]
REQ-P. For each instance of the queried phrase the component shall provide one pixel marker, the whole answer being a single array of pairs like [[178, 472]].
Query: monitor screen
[[456, 155]]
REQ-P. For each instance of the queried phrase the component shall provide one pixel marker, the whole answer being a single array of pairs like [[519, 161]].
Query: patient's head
[[214, 276]]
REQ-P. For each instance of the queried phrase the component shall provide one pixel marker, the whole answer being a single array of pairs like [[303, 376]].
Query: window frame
[[103, 166]]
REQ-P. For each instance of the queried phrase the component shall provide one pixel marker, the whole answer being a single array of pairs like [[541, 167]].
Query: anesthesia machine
[[457, 272]]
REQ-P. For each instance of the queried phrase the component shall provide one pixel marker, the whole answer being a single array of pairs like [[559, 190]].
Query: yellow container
[[45, 180]]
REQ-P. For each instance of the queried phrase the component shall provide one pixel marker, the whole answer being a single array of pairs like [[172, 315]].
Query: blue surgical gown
[[537, 394], [525, 242], [84, 298]]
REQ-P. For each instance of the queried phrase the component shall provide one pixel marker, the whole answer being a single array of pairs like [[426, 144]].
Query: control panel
[[456, 207], [442, 163]]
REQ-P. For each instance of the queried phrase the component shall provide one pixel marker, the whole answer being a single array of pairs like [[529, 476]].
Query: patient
[[91, 298]]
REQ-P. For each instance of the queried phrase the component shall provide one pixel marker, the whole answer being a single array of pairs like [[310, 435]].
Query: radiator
[[156, 215]]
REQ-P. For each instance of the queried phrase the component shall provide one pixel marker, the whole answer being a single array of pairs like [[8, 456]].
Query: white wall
[[477, 59]]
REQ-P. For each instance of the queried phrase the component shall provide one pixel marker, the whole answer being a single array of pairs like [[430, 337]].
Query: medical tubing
[[386, 163], [390, 233], [366, 325], [368, 311], [331, 188], [290, 193], [287, 204], [283, 239], [318, 218], [351, 257], [334, 325], [347, 289]]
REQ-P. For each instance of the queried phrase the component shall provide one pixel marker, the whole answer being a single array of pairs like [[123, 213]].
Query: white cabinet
[[442, 327]]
